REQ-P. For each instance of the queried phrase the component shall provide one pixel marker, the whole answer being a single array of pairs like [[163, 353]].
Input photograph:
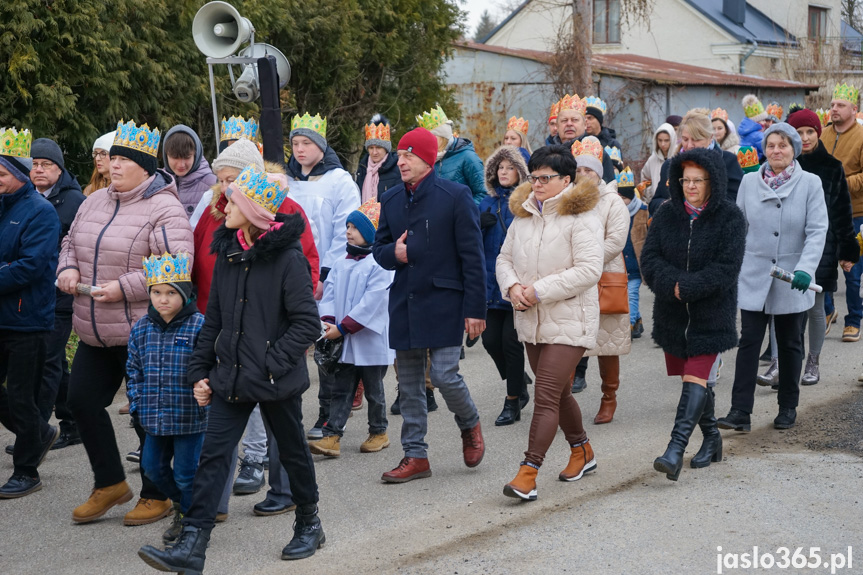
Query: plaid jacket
[[156, 384]]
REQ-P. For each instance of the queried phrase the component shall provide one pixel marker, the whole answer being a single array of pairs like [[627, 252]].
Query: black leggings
[[500, 340]]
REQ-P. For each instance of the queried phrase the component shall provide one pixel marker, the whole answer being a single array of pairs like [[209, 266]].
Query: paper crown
[[575, 148], [614, 154], [372, 210], [752, 106], [594, 102], [168, 268], [846, 92], [142, 139], [258, 187], [14, 143], [555, 110], [774, 110], [236, 127], [823, 115], [378, 132], [573, 102], [432, 119], [590, 146], [307, 122], [518, 124], [719, 114], [626, 179], [747, 157]]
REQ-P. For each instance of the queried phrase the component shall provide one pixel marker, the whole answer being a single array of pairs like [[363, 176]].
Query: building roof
[[852, 40], [652, 69], [756, 25], [512, 15]]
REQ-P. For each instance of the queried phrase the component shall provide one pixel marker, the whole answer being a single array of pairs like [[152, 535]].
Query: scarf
[[775, 180], [634, 206], [694, 212], [357, 252], [370, 184]]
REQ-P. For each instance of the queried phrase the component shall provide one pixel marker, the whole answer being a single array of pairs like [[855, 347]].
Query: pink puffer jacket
[[111, 234]]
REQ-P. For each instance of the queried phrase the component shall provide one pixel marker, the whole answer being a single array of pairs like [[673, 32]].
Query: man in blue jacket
[[429, 234], [29, 232]]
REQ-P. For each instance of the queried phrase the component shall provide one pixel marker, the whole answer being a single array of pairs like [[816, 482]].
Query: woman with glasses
[[691, 260], [787, 216], [101, 177], [548, 269]]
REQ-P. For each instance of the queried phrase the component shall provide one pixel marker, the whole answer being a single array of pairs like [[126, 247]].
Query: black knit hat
[[596, 113], [146, 161]]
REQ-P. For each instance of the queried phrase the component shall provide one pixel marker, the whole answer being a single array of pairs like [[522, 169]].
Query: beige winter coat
[[614, 336], [559, 252]]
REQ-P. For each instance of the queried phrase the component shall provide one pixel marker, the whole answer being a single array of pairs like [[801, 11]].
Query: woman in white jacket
[[548, 268], [664, 142]]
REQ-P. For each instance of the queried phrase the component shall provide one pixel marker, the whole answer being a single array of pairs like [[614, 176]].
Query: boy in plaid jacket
[[160, 398]]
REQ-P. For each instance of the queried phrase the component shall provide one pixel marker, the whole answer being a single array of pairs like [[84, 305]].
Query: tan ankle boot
[[581, 460], [329, 446], [609, 371], [148, 511], [524, 484], [101, 500]]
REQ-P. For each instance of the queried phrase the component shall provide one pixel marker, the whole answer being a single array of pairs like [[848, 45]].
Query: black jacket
[[733, 175], [388, 174], [608, 137], [841, 242], [66, 197], [703, 257], [261, 317]]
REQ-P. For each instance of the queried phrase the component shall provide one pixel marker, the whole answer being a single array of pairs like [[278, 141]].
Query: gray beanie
[[385, 144], [315, 137], [787, 130], [45, 149], [240, 155]]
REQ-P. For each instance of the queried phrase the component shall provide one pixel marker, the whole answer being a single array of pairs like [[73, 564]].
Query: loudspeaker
[[219, 30]]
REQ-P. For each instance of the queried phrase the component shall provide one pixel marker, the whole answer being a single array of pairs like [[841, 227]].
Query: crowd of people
[[206, 289]]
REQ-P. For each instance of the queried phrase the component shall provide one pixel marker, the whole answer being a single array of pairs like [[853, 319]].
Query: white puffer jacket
[[559, 251], [614, 336]]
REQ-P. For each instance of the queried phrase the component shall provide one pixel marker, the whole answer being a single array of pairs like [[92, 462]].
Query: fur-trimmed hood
[[711, 161], [510, 153], [268, 246], [573, 200], [217, 210]]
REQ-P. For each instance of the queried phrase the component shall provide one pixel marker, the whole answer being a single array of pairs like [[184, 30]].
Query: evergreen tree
[[484, 27]]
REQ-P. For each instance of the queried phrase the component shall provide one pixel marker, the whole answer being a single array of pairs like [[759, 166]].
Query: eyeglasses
[[100, 154], [43, 165], [542, 179], [699, 182]]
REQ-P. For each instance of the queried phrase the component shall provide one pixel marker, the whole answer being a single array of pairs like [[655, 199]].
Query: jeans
[[156, 458], [325, 392], [501, 342], [852, 288], [412, 394], [633, 286], [22, 355], [55, 377], [255, 439], [346, 379]]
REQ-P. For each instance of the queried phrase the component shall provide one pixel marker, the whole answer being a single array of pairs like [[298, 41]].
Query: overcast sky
[[474, 9]]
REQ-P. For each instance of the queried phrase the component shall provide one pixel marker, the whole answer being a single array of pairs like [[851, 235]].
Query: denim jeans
[[852, 288], [156, 458], [346, 380], [632, 286]]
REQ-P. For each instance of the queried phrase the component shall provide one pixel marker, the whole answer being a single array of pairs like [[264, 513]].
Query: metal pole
[[215, 109]]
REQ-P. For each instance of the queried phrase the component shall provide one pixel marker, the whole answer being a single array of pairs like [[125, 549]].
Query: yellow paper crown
[[774, 110], [237, 127], [378, 132], [260, 189], [719, 114], [518, 124], [594, 102], [823, 115], [14, 143], [432, 119], [168, 268], [555, 110], [572, 103], [626, 179], [307, 122], [138, 138], [846, 92]]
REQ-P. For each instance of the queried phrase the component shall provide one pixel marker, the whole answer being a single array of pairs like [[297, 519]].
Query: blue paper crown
[[614, 154], [626, 179], [168, 268], [142, 138], [594, 102], [236, 127], [259, 189]]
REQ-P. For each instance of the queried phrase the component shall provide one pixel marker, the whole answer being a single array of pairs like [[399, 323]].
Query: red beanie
[[421, 143], [805, 117]]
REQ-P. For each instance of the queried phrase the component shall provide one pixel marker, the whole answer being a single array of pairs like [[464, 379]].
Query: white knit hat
[[104, 142], [240, 155]]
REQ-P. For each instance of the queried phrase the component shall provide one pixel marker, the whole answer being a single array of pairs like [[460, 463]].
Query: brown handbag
[[613, 293]]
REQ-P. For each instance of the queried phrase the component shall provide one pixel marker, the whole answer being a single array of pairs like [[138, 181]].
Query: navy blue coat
[[492, 240], [29, 232], [444, 280]]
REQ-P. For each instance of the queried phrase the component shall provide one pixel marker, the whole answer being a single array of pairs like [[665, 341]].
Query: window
[[606, 21], [817, 22]]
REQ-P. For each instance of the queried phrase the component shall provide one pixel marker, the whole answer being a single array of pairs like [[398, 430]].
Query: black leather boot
[[524, 398], [689, 410], [185, 557], [308, 534], [711, 447], [511, 412]]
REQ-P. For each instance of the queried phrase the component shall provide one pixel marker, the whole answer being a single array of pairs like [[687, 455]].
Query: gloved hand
[[487, 220], [801, 281]]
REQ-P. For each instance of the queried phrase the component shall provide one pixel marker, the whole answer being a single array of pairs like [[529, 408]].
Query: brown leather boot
[[100, 501], [148, 511], [473, 446], [609, 371], [581, 460], [524, 484]]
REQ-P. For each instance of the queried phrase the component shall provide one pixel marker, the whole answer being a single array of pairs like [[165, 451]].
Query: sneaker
[[328, 446], [831, 319], [134, 456], [251, 477], [358, 398], [317, 430], [375, 443], [851, 333], [737, 419], [786, 418]]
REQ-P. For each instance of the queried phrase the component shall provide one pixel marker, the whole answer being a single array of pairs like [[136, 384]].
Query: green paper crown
[[432, 119], [754, 109], [316, 124], [15, 143], [846, 92]]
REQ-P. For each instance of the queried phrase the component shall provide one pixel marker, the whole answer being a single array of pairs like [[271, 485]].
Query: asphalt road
[[797, 488]]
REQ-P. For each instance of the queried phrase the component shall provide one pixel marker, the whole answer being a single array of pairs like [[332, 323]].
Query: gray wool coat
[[787, 228]]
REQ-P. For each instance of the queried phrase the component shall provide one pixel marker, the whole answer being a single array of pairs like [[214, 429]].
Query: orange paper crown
[[576, 148], [518, 124], [720, 114], [590, 146], [378, 132], [573, 102], [555, 110]]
